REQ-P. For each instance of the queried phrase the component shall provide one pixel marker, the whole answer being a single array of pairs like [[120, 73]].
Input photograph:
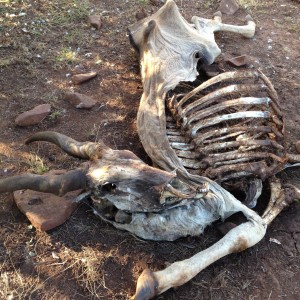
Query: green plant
[[37, 164], [66, 55]]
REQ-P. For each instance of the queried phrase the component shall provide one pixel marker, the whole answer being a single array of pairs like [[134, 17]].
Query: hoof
[[146, 286]]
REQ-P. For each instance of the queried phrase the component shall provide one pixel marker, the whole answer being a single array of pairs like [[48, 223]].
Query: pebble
[[141, 14], [80, 100], [297, 145], [228, 7], [95, 21], [239, 61]]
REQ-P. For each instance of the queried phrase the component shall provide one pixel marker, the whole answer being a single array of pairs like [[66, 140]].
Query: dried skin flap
[[169, 51]]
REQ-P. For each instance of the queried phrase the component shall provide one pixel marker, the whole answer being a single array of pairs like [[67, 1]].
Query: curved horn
[[85, 150], [55, 184]]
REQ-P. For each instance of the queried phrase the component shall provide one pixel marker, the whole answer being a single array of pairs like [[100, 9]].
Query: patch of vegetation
[[66, 55], [143, 2], [55, 115], [70, 11], [36, 165]]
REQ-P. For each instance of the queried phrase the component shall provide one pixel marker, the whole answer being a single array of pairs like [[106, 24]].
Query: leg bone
[[238, 239], [210, 26]]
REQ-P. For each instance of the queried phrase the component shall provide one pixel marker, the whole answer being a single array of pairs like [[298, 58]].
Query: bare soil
[[41, 43]]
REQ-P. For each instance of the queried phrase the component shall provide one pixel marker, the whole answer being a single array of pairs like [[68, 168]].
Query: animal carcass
[[175, 202]]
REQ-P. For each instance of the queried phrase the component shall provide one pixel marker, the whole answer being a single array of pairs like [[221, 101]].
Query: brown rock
[[80, 100], [239, 61], [95, 21], [297, 145], [228, 7], [33, 116], [141, 14], [46, 211], [80, 78]]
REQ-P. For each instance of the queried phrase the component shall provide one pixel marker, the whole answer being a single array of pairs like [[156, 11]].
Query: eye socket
[[197, 55], [108, 187]]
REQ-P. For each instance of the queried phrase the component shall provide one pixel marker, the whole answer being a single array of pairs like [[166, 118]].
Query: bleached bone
[[245, 101], [209, 27], [233, 116], [223, 129], [178, 273], [208, 99], [221, 77]]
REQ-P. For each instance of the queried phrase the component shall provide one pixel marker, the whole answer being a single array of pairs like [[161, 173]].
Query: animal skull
[[171, 203]]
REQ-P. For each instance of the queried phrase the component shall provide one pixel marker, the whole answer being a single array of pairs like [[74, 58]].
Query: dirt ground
[[42, 43]]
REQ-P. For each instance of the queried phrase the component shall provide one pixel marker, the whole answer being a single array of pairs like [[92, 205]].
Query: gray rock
[[228, 7]]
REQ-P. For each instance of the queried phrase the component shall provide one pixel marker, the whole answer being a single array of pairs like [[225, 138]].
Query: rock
[[158, 3], [33, 116], [80, 78], [80, 100], [239, 61], [95, 21], [79, 69], [141, 14], [228, 7], [211, 70], [46, 211], [297, 145]]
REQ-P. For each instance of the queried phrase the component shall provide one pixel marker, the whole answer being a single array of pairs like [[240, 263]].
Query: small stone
[[212, 70], [78, 69], [228, 7], [95, 21], [239, 61], [50, 211], [141, 14], [80, 100], [33, 116], [157, 3], [225, 227], [80, 78], [298, 146], [32, 254]]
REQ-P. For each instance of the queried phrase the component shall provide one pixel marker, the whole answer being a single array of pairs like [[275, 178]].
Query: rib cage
[[229, 127]]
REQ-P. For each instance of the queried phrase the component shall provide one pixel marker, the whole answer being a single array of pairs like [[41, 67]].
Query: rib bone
[[227, 104], [224, 127]]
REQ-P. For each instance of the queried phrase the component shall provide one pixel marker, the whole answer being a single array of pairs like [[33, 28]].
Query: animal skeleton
[[171, 203]]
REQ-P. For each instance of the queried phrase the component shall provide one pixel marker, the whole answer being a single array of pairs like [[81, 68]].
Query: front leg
[[151, 284]]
